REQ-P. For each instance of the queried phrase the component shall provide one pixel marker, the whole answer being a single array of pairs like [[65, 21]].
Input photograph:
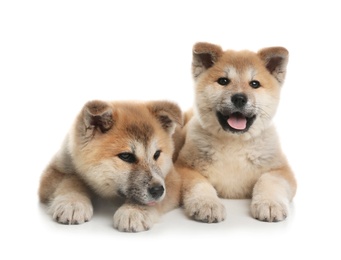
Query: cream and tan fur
[[116, 149], [231, 148]]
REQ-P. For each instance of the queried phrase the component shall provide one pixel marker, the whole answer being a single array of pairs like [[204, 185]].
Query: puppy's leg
[[68, 197], [272, 195], [131, 217], [199, 198]]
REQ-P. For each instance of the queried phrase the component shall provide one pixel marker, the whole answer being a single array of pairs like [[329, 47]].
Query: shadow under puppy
[[116, 149], [231, 148]]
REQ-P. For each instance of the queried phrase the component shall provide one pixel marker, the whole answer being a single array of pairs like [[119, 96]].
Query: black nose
[[239, 100], [156, 191]]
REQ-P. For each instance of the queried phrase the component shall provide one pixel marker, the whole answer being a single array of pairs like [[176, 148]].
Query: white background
[[57, 55]]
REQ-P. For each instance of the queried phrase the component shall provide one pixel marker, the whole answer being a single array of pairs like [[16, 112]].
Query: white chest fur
[[232, 172], [232, 164]]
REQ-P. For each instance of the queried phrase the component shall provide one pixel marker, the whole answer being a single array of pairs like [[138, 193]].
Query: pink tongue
[[237, 122]]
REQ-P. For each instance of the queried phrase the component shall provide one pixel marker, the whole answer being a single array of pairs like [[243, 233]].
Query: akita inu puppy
[[116, 149], [231, 147]]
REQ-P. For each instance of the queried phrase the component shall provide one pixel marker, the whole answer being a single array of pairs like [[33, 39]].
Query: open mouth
[[236, 122]]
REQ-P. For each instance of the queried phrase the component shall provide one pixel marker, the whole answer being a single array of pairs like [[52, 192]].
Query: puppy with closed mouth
[[116, 150], [231, 148]]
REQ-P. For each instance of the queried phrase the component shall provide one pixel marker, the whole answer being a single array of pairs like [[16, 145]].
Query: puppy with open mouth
[[231, 148], [116, 150]]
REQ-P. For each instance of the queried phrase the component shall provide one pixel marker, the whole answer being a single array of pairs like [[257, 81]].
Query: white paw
[[205, 209], [269, 210], [131, 218], [71, 209]]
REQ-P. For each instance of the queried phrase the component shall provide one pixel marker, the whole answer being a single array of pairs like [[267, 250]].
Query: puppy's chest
[[233, 169]]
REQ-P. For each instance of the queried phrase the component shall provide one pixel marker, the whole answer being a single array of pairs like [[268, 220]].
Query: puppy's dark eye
[[254, 83], [223, 81], [127, 157], [157, 154]]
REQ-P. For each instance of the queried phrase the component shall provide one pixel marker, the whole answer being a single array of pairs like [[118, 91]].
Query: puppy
[[116, 149], [231, 148]]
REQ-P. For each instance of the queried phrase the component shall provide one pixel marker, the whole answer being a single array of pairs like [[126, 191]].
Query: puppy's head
[[237, 92], [125, 148]]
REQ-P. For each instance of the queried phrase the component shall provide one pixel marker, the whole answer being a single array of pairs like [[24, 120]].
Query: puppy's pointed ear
[[204, 56], [167, 113], [98, 115], [275, 60]]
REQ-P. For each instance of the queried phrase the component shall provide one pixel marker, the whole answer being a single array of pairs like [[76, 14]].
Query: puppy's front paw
[[269, 210], [133, 218], [205, 209], [71, 209]]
